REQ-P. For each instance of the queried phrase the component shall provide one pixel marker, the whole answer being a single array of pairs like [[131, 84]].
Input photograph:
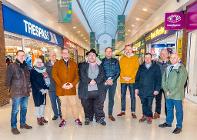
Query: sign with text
[[65, 10], [121, 28], [191, 21]]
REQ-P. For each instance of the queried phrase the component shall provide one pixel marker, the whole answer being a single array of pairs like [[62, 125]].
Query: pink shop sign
[[191, 21], [174, 21]]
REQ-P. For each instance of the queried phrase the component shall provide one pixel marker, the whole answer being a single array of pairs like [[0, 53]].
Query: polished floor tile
[[124, 128]]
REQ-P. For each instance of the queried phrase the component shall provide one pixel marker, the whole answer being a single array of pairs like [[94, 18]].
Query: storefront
[[191, 90], [24, 33], [139, 46], [160, 38]]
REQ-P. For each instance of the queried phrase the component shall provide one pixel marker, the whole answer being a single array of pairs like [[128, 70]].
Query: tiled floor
[[124, 128]]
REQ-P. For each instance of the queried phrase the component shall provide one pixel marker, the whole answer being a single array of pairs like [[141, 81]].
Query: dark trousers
[[147, 106], [123, 97], [111, 93], [94, 105], [56, 104], [158, 99]]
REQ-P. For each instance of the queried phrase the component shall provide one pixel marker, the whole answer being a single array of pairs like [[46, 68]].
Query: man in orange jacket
[[128, 68]]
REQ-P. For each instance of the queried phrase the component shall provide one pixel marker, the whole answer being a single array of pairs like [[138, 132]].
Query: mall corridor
[[69, 54]]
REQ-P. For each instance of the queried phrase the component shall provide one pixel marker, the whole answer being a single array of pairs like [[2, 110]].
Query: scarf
[[42, 70], [22, 65]]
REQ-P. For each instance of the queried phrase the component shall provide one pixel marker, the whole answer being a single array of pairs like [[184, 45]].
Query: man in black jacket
[[147, 85], [92, 89], [112, 71]]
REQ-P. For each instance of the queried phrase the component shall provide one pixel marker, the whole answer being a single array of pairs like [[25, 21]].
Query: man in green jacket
[[173, 82]]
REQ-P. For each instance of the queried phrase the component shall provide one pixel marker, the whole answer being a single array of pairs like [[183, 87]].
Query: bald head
[[174, 58], [164, 55]]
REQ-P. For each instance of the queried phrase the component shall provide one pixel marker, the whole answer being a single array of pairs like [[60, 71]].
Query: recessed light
[[137, 19], [144, 9], [74, 27], [133, 25], [129, 30]]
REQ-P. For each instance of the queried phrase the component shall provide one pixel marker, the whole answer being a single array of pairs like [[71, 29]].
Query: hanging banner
[[113, 44], [97, 48], [174, 21], [121, 28], [191, 21], [92, 40], [65, 11]]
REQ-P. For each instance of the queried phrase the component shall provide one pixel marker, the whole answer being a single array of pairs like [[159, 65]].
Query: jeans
[[111, 93], [147, 106], [56, 104], [16, 102], [123, 97], [170, 103], [158, 99]]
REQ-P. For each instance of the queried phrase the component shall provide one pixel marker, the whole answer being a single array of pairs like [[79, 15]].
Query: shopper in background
[[55, 101], [128, 68], [173, 81], [147, 85], [40, 83], [92, 89], [112, 71], [65, 75], [18, 83], [163, 63]]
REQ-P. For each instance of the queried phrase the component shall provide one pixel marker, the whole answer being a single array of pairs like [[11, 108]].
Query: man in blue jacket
[[147, 85], [112, 71]]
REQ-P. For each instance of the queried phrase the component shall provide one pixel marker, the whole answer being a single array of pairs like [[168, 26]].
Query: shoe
[[15, 131], [121, 114], [102, 122], [26, 126], [165, 125], [39, 121], [156, 115], [62, 123], [149, 120], [78, 122], [44, 120], [177, 130], [143, 119], [133, 116], [87, 121], [54, 118], [112, 118]]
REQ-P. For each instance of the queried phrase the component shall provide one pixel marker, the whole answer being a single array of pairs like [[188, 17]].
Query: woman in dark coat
[[40, 83], [147, 85]]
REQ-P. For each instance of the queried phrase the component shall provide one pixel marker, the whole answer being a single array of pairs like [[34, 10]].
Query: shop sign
[[191, 20], [92, 40], [113, 42], [65, 11], [157, 32], [174, 21], [17, 23], [121, 28]]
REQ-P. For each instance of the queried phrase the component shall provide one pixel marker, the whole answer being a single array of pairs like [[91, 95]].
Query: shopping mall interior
[[39, 27]]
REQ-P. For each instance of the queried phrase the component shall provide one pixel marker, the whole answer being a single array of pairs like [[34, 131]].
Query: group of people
[[96, 79]]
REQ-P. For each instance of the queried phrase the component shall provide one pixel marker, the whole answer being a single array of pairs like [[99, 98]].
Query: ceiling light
[[137, 19], [133, 25], [129, 30], [74, 27], [144, 9], [78, 32]]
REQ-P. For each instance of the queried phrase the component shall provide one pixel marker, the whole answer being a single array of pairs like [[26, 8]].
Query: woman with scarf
[[40, 83]]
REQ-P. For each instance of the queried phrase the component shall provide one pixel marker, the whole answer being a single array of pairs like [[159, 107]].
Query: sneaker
[[156, 115], [133, 116], [177, 130], [54, 118], [112, 118], [78, 122], [44, 120], [26, 126], [165, 125], [102, 122], [143, 119], [121, 114], [62, 123], [87, 121], [149, 120], [15, 131]]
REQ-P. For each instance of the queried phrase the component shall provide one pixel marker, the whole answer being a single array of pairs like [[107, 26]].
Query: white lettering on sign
[[35, 30]]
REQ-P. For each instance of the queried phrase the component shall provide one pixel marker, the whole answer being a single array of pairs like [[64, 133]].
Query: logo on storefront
[[174, 18]]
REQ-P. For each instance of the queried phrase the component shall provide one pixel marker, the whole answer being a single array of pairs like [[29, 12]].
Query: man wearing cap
[[92, 89]]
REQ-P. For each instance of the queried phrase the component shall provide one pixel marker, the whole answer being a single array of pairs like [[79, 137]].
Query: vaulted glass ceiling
[[101, 15]]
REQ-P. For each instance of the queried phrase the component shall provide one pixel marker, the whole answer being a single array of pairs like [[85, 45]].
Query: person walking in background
[[112, 71], [55, 101], [147, 85], [40, 84], [128, 68], [173, 81], [65, 75], [91, 89], [163, 63], [18, 83]]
